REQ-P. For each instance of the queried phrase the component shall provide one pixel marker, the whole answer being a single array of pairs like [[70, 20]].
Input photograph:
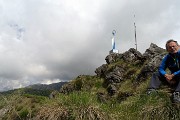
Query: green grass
[[2, 101], [84, 105], [77, 99]]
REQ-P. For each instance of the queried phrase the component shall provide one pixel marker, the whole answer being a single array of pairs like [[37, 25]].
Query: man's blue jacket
[[172, 62]]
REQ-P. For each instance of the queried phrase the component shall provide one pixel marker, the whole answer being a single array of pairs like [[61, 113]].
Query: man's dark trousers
[[158, 79]]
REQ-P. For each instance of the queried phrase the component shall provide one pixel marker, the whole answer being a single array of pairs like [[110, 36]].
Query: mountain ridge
[[52, 86]]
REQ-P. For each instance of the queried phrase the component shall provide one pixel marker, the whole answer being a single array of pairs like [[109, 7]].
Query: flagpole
[[135, 33]]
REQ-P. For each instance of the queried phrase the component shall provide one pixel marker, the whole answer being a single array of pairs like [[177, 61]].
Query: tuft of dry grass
[[54, 113], [91, 113]]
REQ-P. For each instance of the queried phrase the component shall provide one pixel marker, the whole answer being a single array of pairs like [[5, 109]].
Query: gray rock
[[101, 71], [67, 88], [111, 89], [153, 51], [112, 58], [155, 55], [116, 76], [102, 97], [132, 55]]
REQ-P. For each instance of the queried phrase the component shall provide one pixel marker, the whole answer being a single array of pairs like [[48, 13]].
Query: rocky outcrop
[[132, 55], [67, 88], [128, 56], [101, 71], [154, 55], [153, 51], [149, 68], [112, 58], [130, 65], [147, 63], [116, 76]]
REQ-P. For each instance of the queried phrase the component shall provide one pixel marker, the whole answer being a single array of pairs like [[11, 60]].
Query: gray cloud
[[48, 41]]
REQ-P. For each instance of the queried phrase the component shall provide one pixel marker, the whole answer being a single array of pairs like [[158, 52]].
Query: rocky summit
[[147, 64], [119, 68]]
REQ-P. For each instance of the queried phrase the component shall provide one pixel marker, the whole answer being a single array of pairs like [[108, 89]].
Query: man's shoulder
[[178, 53], [167, 55]]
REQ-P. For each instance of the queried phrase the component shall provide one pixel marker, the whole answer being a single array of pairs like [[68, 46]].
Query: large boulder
[[112, 89], [68, 88], [153, 51], [101, 71], [116, 76], [132, 55], [111, 58], [149, 68], [154, 56]]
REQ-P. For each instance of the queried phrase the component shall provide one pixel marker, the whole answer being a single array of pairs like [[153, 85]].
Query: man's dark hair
[[171, 40]]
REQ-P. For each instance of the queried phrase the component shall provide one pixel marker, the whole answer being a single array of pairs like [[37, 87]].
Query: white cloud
[[46, 81]]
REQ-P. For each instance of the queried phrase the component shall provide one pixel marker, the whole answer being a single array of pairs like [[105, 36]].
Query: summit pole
[[135, 33]]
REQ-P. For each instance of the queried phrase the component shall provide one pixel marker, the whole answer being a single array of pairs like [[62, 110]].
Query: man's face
[[172, 47]]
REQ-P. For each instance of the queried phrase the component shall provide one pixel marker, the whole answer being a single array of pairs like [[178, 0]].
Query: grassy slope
[[84, 104]]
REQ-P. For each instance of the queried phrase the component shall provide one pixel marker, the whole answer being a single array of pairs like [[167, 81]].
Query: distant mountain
[[53, 86], [37, 89]]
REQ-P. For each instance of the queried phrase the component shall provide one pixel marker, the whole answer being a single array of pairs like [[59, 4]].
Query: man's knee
[[156, 74]]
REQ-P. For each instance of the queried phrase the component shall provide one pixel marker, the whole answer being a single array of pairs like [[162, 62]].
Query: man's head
[[172, 46]]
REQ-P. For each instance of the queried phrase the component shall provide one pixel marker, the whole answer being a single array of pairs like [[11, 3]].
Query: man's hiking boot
[[151, 90], [176, 97]]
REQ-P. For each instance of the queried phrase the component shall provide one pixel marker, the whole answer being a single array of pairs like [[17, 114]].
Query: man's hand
[[169, 78]]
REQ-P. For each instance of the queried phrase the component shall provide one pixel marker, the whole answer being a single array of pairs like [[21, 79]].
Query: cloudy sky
[[44, 41]]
